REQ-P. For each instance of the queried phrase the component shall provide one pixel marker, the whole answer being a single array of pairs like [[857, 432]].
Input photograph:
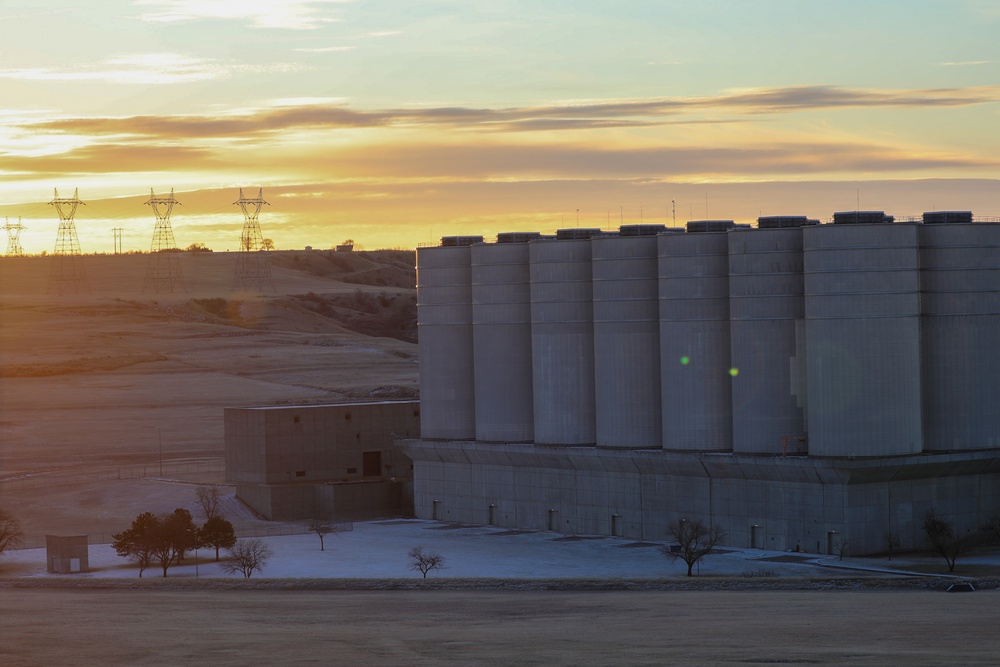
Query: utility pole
[[164, 267], [67, 261], [253, 267], [14, 248]]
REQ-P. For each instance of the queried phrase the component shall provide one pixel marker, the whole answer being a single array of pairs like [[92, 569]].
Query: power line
[[67, 261], [253, 266], [14, 248], [164, 267]]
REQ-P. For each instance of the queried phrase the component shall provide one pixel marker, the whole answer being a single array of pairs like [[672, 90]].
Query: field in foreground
[[110, 627]]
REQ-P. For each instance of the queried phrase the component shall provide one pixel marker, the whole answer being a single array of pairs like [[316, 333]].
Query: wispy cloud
[[487, 160], [110, 159], [599, 114], [305, 101], [326, 49], [147, 68], [798, 98], [153, 69], [967, 63], [203, 127], [283, 14]]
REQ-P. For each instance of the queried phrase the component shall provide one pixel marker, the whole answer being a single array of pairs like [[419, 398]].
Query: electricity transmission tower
[[164, 269], [253, 268], [67, 261], [14, 248]]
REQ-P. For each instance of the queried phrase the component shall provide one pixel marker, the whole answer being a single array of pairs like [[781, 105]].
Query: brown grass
[[99, 382], [432, 627]]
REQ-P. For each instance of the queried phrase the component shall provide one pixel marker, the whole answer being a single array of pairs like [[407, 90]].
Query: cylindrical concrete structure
[[767, 309], [444, 321], [696, 385], [960, 279], [501, 331], [562, 342], [862, 306], [626, 341]]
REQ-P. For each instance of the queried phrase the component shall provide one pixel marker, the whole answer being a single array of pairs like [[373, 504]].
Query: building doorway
[[756, 537], [371, 464]]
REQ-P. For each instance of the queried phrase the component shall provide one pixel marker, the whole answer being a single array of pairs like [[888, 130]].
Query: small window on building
[[295, 419], [416, 413], [352, 471], [300, 473]]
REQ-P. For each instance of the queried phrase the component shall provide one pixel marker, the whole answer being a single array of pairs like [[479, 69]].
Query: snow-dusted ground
[[378, 549]]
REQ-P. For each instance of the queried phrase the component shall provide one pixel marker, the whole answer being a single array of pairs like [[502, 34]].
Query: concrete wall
[[626, 342], [780, 504], [444, 323], [501, 316], [862, 311], [562, 342], [356, 501], [696, 385], [280, 458], [767, 309], [316, 443], [960, 281], [854, 350]]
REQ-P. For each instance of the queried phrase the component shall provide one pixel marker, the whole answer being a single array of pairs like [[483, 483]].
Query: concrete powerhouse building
[[802, 385], [325, 461]]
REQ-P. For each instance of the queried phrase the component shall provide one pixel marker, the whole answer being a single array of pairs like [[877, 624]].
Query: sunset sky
[[396, 122]]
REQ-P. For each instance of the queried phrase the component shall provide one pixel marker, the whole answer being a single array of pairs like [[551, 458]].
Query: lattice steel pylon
[[67, 261], [163, 272], [253, 266], [14, 248]]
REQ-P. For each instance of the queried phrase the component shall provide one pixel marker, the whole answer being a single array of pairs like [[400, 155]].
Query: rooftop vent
[[861, 218], [938, 217], [710, 225], [577, 233], [517, 237], [456, 241], [784, 221], [641, 230]]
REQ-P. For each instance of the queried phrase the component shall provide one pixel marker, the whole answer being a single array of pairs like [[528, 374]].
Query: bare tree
[[11, 535], [246, 556], [843, 548], [208, 500], [692, 541], [943, 540], [425, 561], [891, 542], [322, 528]]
